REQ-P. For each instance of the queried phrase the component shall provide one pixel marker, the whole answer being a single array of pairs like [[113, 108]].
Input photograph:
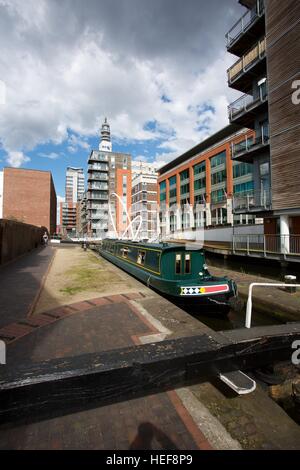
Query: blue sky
[[159, 77]]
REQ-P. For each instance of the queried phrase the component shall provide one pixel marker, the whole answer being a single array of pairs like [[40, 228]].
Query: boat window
[[124, 252], [187, 265], [141, 257], [178, 264]]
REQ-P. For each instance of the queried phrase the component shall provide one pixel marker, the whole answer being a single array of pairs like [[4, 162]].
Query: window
[[200, 184], [124, 252], [218, 177], [242, 169], [184, 175], [172, 180], [243, 187], [217, 196], [185, 189], [162, 186], [264, 169], [200, 168], [162, 197], [178, 264], [141, 257], [173, 193], [218, 159], [187, 264]]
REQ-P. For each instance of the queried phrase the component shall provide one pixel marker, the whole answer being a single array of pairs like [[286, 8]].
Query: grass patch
[[89, 278], [70, 290]]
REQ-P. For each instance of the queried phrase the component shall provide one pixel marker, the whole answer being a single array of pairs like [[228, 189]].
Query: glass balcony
[[247, 103], [97, 176], [252, 201], [97, 167], [98, 157], [248, 60], [244, 24], [97, 196], [249, 145], [97, 185]]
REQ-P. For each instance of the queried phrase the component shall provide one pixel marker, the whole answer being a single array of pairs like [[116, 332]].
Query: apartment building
[[68, 217], [74, 190], [144, 204], [266, 40], [139, 167], [109, 183], [74, 184], [28, 196], [206, 176], [81, 215]]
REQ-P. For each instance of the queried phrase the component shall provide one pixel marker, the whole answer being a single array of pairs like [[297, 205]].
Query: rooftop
[[204, 145]]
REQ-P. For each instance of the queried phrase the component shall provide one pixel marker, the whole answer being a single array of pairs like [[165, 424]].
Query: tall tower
[[105, 142]]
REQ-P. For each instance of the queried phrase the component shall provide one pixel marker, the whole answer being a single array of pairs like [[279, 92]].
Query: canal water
[[236, 316]]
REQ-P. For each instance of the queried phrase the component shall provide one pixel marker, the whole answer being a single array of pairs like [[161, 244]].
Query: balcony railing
[[99, 226], [244, 23], [98, 167], [267, 244], [98, 177], [95, 156], [96, 185], [242, 65], [93, 196], [252, 200], [249, 144], [246, 103]]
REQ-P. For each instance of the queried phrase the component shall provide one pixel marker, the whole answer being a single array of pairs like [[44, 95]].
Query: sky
[[155, 68]]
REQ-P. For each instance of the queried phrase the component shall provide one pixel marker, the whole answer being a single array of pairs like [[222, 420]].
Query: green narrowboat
[[172, 270]]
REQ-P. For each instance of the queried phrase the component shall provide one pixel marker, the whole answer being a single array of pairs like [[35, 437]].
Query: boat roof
[[157, 246]]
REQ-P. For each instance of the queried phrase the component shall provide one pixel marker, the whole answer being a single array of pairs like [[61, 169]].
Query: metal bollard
[[289, 279]]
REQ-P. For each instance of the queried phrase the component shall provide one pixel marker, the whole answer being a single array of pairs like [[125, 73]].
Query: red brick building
[[29, 196]]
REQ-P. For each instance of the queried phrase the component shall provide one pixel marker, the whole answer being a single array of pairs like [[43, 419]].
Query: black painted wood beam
[[56, 387]]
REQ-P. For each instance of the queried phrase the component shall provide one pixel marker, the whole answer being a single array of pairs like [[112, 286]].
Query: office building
[[207, 177]]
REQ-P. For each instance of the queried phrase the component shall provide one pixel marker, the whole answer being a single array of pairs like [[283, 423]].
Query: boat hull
[[185, 293]]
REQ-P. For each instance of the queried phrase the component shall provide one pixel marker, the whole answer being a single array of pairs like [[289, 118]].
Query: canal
[[236, 317]]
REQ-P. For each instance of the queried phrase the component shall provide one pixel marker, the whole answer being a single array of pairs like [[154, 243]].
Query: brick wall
[[29, 197], [17, 238]]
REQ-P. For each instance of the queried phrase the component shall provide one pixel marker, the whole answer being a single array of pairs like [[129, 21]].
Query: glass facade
[[218, 159], [200, 168]]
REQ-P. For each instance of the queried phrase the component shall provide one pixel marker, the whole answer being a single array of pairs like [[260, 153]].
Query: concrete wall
[[219, 234], [17, 238]]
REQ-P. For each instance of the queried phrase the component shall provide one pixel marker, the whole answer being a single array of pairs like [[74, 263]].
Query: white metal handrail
[[249, 301]]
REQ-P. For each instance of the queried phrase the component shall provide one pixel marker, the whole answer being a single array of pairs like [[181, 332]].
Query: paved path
[[20, 282], [153, 422], [200, 417]]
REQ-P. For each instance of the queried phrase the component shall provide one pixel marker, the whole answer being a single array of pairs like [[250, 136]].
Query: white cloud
[[16, 159], [65, 68], [51, 155]]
